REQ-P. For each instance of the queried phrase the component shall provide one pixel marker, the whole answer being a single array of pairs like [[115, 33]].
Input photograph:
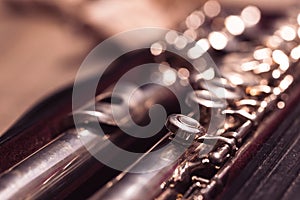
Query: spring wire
[[269, 64]]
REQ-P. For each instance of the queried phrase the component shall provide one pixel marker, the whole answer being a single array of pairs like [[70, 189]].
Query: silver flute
[[259, 79]]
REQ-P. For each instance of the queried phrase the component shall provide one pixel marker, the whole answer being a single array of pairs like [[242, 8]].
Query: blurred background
[[43, 42]]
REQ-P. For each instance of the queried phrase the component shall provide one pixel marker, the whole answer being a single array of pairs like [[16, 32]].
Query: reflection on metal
[[254, 81]]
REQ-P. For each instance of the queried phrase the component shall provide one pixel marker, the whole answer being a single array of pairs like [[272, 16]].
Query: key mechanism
[[184, 128]]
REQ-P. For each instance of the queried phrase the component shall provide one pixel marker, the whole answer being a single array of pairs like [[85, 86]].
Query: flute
[[199, 151]]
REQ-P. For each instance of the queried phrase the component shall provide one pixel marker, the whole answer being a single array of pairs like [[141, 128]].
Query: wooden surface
[[274, 172]]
